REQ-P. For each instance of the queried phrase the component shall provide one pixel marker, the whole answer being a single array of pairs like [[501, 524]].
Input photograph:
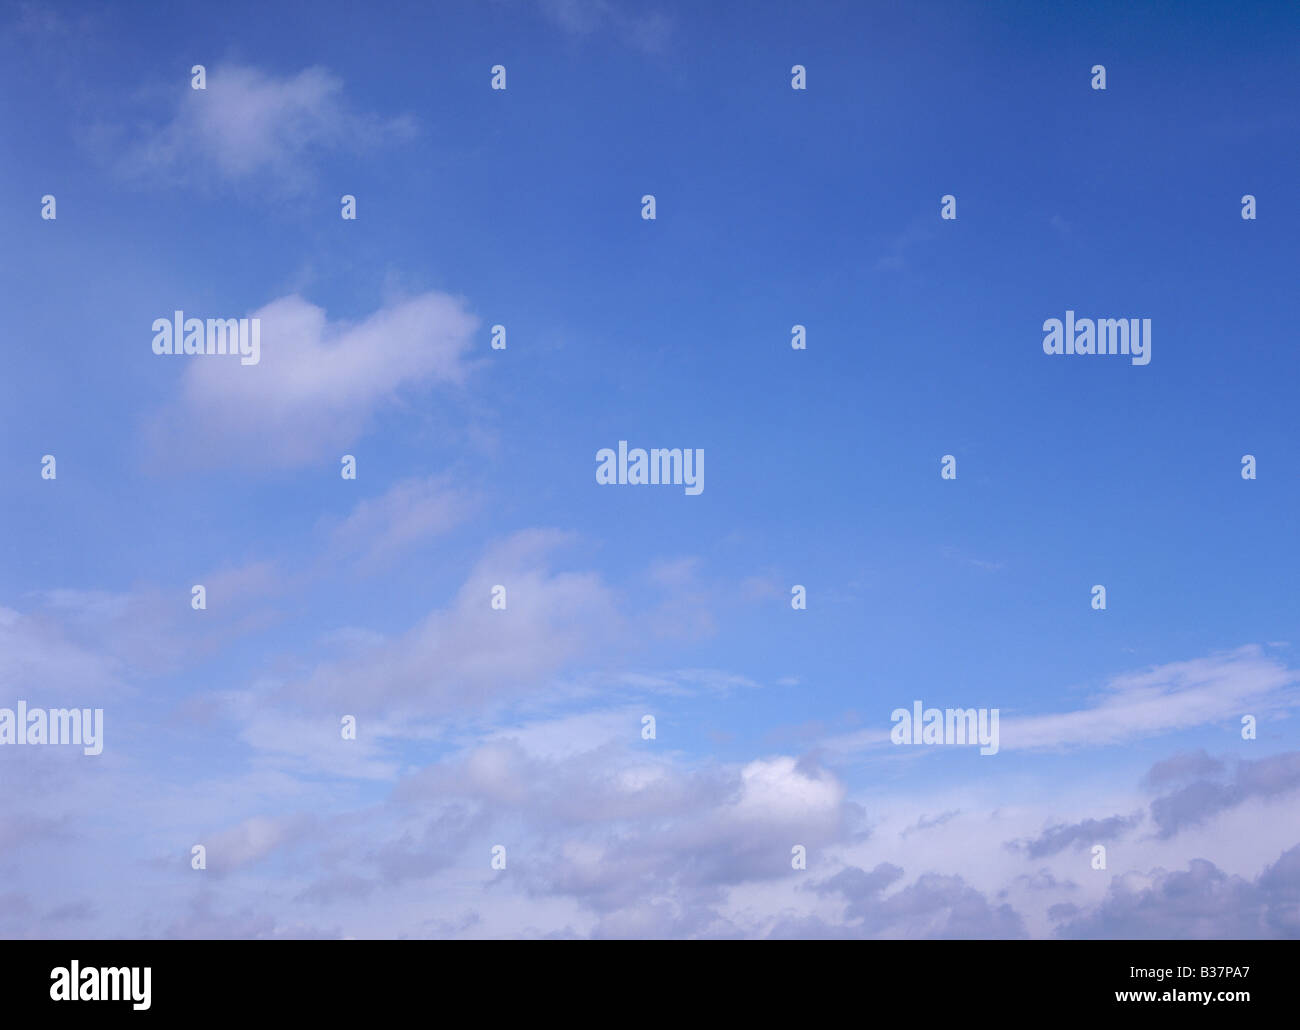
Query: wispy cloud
[[252, 125], [636, 27], [1164, 699], [380, 528]]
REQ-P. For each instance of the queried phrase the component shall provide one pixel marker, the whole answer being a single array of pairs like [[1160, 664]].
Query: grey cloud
[[1201, 902], [934, 905], [930, 822], [1044, 880], [1200, 800], [1056, 839], [202, 921], [1181, 767]]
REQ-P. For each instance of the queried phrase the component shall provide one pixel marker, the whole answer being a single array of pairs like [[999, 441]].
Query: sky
[[771, 800]]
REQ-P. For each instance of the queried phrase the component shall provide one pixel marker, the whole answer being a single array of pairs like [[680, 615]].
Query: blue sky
[[476, 467]]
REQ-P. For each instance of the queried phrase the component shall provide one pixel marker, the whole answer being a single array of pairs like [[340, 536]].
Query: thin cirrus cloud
[[248, 125], [1163, 699], [317, 385], [411, 510]]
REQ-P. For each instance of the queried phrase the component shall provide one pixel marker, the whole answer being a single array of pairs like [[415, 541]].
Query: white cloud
[[1175, 696], [318, 383], [249, 124], [1164, 699], [468, 657]]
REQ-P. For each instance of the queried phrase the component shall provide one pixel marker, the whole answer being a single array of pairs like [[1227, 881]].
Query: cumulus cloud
[[694, 836], [609, 835], [633, 841], [1200, 902], [318, 383], [934, 905]]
